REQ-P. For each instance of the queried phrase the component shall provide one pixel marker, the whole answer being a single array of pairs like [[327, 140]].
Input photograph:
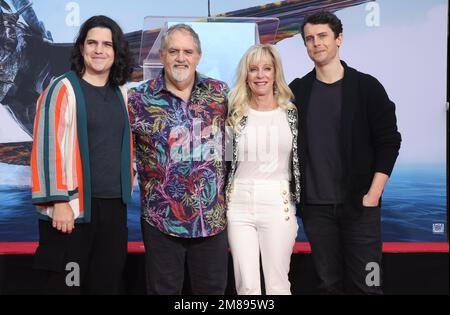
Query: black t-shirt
[[324, 166], [105, 120]]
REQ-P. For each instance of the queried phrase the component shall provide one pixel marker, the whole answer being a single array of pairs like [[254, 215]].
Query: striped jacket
[[60, 156]]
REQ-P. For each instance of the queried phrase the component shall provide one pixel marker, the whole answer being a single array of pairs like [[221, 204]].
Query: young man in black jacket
[[348, 145]]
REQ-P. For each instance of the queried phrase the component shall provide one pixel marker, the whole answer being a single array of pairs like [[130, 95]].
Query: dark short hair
[[323, 17], [123, 63]]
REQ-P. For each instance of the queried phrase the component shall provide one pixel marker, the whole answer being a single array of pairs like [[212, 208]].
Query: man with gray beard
[[178, 122]]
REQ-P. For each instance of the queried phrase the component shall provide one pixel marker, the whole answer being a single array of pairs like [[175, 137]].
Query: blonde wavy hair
[[240, 95]]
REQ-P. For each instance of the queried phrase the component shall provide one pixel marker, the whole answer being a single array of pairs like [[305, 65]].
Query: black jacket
[[370, 141]]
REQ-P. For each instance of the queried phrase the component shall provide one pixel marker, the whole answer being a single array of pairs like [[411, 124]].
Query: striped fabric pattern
[[60, 156]]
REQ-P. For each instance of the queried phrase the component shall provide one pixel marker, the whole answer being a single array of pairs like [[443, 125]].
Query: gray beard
[[180, 75]]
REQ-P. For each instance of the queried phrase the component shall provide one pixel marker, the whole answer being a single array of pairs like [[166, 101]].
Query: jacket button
[[287, 219], [286, 210], [286, 202]]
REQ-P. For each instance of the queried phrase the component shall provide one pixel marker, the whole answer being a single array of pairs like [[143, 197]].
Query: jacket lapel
[[303, 102], [349, 102]]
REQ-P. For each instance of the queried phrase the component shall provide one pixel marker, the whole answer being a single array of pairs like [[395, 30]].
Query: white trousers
[[261, 221]]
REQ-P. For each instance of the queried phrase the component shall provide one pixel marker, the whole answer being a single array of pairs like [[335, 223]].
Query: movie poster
[[402, 43]]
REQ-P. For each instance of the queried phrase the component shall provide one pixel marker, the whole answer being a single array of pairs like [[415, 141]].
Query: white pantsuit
[[261, 221]]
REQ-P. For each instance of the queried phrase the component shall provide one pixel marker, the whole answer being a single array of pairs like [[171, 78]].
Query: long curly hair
[[123, 63], [240, 95]]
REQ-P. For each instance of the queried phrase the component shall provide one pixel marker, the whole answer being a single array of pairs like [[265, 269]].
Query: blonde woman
[[264, 180]]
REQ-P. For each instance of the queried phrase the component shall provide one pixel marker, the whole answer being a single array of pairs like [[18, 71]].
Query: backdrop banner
[[402, 43]]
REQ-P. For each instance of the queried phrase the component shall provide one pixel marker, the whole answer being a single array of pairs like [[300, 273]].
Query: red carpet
[[30, 248]]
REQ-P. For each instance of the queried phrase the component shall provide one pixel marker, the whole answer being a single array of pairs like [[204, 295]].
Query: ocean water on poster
[[414, 200]]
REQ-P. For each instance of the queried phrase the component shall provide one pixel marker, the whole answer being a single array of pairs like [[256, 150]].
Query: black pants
[[166, 257], [343, 246], [99, 249]]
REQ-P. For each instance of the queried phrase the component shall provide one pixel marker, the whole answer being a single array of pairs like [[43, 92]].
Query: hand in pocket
[[370, 202]]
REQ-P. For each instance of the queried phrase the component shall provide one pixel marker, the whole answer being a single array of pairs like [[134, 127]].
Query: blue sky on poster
[[134, 18], [140, 8]]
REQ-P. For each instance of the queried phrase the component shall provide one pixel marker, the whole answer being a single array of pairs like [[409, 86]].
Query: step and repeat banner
[[402, 43]]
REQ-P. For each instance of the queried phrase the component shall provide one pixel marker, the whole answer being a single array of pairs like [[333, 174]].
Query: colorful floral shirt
[[180, 156]]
